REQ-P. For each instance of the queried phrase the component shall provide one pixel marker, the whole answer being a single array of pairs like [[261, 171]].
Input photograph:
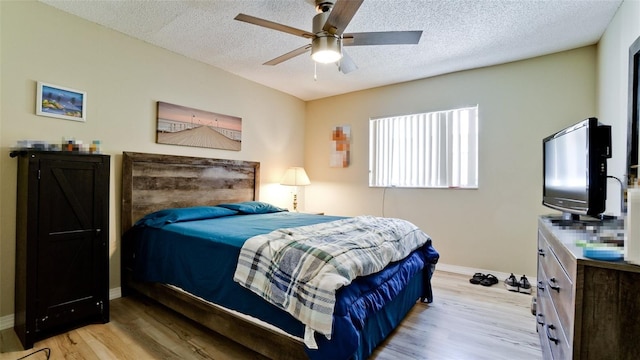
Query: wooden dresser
[[586, 309], [62, 238]]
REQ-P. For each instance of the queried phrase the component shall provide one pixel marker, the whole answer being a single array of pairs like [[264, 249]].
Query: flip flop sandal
[[489, 280], [477, 278], [512, 283]]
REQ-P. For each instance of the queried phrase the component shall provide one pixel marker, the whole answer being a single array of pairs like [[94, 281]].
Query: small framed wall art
[[340, 146], [61, 102]]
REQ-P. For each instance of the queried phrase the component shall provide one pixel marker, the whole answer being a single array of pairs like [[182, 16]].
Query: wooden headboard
[[152, 182]]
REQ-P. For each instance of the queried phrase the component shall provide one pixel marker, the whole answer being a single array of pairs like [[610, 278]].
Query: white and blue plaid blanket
[[299, 269]]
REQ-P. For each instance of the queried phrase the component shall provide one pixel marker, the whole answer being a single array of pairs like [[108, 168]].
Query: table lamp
[[295, 176]]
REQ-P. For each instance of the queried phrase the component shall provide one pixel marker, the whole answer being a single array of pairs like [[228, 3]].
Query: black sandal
[[489, 280], [477, 278]]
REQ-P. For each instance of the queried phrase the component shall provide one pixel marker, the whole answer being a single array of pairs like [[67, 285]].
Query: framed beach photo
[[181, 125], [61, 102]]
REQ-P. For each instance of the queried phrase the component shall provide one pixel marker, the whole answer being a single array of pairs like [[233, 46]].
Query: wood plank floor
[[465, 321]]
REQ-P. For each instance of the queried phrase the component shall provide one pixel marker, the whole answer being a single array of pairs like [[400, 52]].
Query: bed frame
[[152, 182]]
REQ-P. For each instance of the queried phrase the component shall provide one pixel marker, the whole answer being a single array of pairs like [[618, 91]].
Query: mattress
[[199, 255]]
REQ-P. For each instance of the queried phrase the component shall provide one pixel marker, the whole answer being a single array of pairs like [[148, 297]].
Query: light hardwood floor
[[465, 321]]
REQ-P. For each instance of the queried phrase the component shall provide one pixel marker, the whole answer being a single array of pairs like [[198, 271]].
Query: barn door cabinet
[[62, 236]]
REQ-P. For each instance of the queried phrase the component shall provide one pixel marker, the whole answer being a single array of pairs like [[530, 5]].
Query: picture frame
[[61, 102], [340, 146], [186, 126]]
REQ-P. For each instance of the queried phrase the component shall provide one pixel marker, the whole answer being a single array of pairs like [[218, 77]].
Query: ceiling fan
[[328, 36]]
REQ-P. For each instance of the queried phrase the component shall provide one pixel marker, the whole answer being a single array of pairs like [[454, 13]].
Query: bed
[[157, 263]]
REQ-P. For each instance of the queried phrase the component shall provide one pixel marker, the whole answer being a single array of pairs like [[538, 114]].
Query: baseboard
[[463, 270], [115, 293], [6, 322]]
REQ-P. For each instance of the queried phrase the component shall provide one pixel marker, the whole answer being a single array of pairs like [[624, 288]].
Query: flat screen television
[[575, 169]]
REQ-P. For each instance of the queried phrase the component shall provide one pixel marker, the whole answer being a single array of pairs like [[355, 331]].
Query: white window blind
[[429, 150]]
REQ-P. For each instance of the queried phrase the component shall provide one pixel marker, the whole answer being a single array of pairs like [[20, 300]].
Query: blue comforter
[[200, 256]]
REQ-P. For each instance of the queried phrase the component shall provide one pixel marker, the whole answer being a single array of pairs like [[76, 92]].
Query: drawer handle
[[540, 285], [538, 319], [552, 284], [551, 338], [541, 252]]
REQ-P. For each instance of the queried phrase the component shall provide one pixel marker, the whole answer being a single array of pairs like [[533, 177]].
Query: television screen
[[575, 168]]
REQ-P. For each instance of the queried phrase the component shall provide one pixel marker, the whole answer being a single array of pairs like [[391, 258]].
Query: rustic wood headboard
[[152, 182]]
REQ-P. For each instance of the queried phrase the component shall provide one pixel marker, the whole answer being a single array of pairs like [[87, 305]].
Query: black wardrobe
[[62, 242]]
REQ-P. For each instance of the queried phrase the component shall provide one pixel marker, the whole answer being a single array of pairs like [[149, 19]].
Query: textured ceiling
[[457, 35]]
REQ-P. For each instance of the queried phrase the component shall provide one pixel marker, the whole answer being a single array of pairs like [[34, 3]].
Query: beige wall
[[613, 85], [2, 251], [493, 227], [123, 78]]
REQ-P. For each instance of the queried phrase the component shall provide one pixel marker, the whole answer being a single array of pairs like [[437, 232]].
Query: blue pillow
[[167, 216], [253, 207]]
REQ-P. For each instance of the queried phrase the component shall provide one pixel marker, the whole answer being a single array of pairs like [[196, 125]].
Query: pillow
[[167, 216], [253, 207]]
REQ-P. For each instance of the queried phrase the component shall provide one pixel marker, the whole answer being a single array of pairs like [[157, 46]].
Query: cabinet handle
[[538, 317], [541, 252], [540, 285], [552, 284], [551, 338]]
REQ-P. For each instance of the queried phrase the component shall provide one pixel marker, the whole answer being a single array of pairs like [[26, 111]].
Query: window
[[430, 150]]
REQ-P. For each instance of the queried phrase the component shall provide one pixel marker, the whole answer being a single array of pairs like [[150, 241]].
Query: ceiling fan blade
[[382, 38], [346, 64], [291, 54], [341, 15], [273, 25]]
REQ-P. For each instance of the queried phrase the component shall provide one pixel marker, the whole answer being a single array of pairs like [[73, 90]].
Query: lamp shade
[[295, 176]]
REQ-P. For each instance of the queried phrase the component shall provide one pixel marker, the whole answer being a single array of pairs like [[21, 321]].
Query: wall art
[[181, 125], [340, 146], [61, 102]]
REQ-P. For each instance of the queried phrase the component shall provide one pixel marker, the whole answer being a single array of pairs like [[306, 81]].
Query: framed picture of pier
[[181, 125], [61, 102]]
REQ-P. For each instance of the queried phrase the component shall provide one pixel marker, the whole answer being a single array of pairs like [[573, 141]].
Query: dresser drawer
[[545, 344], [553, 338], [541, 310], [596, 302], [557, 285]]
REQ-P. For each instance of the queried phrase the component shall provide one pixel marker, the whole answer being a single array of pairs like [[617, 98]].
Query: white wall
[[613, 85], [495, 226], [124, 78]]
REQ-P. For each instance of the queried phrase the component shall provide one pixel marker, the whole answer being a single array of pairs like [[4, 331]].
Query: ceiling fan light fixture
[[326, 49]]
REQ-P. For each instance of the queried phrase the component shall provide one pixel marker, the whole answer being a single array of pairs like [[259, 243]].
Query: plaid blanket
[[299, 269]]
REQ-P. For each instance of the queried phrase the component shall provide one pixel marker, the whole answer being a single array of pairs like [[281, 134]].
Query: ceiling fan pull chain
[[315, 71]]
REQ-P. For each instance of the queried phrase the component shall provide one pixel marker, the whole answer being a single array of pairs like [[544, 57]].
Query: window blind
[[433, 150]]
